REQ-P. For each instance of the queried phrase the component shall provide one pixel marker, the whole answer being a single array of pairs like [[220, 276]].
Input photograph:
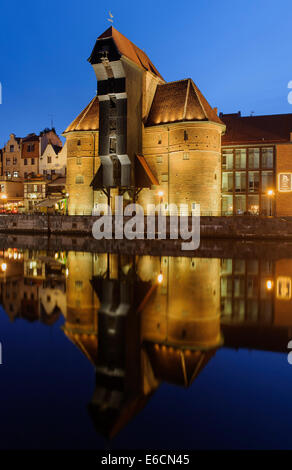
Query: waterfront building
[[11, 195], [257, 165], [141, 137], [32, 148], [11, 158], [53, 161]]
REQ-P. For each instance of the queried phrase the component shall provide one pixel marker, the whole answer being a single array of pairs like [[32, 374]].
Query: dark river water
[[112, 351]]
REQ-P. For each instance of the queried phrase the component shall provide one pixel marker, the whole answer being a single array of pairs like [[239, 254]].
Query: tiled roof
[[88, 119], [180, 101], [30, 138], [274, 128], [130, 50]]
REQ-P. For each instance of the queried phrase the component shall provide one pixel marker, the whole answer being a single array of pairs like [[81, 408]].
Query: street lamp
[[270, 193]]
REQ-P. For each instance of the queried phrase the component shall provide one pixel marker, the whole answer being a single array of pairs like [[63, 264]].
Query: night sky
[[239, 53]]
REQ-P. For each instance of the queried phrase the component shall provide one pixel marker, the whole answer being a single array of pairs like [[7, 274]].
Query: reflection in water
[[145, 320]]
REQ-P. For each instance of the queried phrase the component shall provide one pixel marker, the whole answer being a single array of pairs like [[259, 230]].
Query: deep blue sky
[[239, 53]]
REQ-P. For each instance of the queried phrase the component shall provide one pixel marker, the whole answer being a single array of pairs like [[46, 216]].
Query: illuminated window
[[240, 159], [227, 159], [240, 181], [284, 288], [267, 157], [78, 142], [253, 158], [159, 159], [78, 161], [253, 181], [186, 156], [227, 182], [253, 205]]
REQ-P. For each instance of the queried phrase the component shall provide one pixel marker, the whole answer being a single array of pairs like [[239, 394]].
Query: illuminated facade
[[256, 165], [143, 138]]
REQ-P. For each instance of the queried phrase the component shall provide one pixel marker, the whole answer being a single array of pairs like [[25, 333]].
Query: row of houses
[[33, 173]]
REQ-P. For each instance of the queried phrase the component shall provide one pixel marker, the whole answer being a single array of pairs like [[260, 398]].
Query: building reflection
[[143, 320]]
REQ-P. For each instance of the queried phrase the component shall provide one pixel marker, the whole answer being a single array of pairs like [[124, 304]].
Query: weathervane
[[111, 16]]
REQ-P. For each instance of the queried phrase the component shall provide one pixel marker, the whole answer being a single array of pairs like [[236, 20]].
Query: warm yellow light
[[56, 255], [67, 272], [3, 266], [160, 278], [3, 196], [160, 193], [270, 192], [269, 285]]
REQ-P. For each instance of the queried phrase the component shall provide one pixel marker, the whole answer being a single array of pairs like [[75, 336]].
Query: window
[[267, 157], [253, 158], [186, 156], [25, 161], [30, 148], [8, 174], [240, 159], [240, 204], [227, 159], [49, 159], [186, 135], [113, 145], [267, 181], [53, 172], [35, 188], [79, 179], [78, 142], [159, 159], [253, 205], [32, 161], [11, 148], [15, 174], [227, 205], [8, 161], [14, 161], [227, 182], [240, 181], [25, 174], [2, 188], [78, 160], [253, 181]]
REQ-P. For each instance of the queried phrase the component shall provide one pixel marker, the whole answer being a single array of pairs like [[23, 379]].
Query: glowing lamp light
[[160, 193], [269, 285], [270, 192], [3, 267], [3, 196], [160, 278]]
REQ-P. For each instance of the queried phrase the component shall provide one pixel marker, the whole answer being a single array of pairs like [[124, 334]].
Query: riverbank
[[239, 227]]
